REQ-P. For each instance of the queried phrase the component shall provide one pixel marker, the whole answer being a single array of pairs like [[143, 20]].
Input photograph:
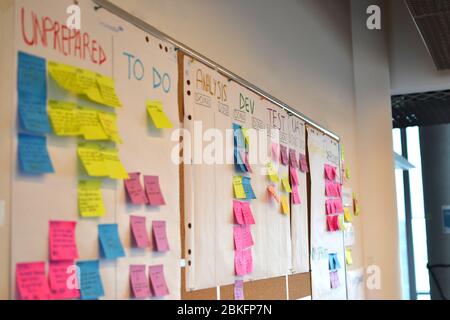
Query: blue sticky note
[[238, 161], [239, 140], [246, 183], [32, 93], [91, 286], [33, 155], [333, 262], [110, 244]]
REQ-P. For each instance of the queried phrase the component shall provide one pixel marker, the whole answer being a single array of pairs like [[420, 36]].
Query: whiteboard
[[324, 150], [213, 102], [37, 200]]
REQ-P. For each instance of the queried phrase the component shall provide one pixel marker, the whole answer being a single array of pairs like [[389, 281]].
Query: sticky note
[[160, 236], [272, 173], [109, 124], [114, 165], [246, 137], [32, 93], [248, 259], [239, 192], [239, 290], [91, 286], [294, 176], [91, 157], [65, 76], [286, 184], [243, 262], [90, 124], [155, 110], [140, 285], [347, 173], [339, 207], [239, 161], [108, 92], [242, 237], [273, 193], [284, 155], [293, 162], [333, 262], [330, 172], [247, 213], [237, 210], [153, 191], [239, 139], [348, 256], [90, 199], [31, 281], [356, 207], [245, 156], [285, 204], [332, 223], [295, 195], [158, 283], [347, 215], [334, 280], [247, 185], [62, 241], [110, 244], [341, 224], [64, 118], [135, 192], [304, 166], [33, 155], [139, 231], [275, 152], [63, 280]]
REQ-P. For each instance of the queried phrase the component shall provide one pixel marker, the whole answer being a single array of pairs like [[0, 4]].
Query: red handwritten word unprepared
[[48, 33]]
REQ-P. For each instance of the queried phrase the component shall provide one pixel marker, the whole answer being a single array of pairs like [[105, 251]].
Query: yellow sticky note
[[286, 184], [347, 173], [114, 166], [348, 256], [285, 204], [341, 222], [273, 175], [108, 92], [92, 159], [109, 124], [156, 112], [347, 215], [246, 136], [91, 127], [239, 191], [65, 76], [64, 118], [90, 199], [87, 84]]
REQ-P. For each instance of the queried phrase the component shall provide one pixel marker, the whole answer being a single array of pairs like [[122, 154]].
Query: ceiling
[[432, 18]]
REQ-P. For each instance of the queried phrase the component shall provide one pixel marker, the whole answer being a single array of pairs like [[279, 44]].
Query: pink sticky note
[[153, 190], [293, 159], [160, 236], [140, 285], [330, 172], [158, 283], [333, 223], [242, 237], [31, 281], [237, 210], [134, 189], [139, 230], [294, 176], [248, 258], [329, 205], [339, 208], [62, 241], [63, 280], [247, 213], [304, 166], [329, 188], [295, 195], [275, 152], [244, 155], [284, 155], [239, 290], [240, 267]]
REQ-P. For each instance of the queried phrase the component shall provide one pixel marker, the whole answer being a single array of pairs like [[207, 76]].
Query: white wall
[[411, 66]]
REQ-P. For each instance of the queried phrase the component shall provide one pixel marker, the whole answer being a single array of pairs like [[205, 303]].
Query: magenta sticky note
[[239, 290], [237, 210], [63, 280], [247, 213], [158, 283], [284, 155], [140, 285], [330, 172], [240, 267], [296, 195], [32, 284], [293, 159], [294, 176], [242, 237], [134, 189], [139, 231], [153, 191], [304, 166], [62, 242], [160, 236]]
